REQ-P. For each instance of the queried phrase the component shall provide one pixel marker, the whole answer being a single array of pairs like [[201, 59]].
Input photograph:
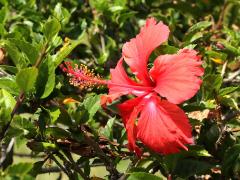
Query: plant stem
[[114, 174], [41, 55], [221, 16], [232, 76], [59, 165], [17, 105], [57, 169], [74, 165], [220, 122]]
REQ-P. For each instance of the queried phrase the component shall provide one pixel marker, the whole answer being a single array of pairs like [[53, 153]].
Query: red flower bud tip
[[81, 76]]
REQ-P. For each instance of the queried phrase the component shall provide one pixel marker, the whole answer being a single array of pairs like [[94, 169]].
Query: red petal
[[177, 75], [120, 84], [129, 111], [163, 126], [137, 51]]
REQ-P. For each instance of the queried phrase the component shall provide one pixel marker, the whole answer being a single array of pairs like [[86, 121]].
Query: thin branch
[[59, 165], [220, 121], [72, 164], [221, 16], [54, 169], [114, 174], [57, 169], [224, 68], [235, 130], [231, 115], [41, 55], [232, 76], [22, 155]]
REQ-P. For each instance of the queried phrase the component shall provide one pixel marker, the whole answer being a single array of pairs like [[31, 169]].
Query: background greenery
[[43, 130]]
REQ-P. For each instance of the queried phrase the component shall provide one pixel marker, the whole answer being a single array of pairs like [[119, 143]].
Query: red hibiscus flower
[[152, 117]]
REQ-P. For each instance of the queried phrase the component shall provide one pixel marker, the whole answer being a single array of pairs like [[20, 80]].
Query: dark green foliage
[[65, 128]]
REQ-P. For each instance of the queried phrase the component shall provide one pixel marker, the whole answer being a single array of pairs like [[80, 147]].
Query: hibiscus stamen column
[[82, 77]]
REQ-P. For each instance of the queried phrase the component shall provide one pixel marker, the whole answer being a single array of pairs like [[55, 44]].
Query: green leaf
[[51, 28], [229, 47], [166, 49], [16, 56], [27, 48], [4, 14], [6, 99], [37, 167], [196, 31], [26, 78], [79, 114], [108, 129], [216, 55], [11, 69], [209, 134], [41, 146], [103, 57], [211, 85], [13, 132], [143, 176], [68, 47], [92, 104], [228, 101], [61, 14], [20, 169], [43, 120], [9, 83], [190, 46], [64, 118], [194, 151], [100, 5], [24, 124], [2, 30], [46, 78], [189, 167], [199, 26], [7, 103], [215, 81], [57, 133], [231, 161], [54, 114], [228, 90], [195, 37]]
